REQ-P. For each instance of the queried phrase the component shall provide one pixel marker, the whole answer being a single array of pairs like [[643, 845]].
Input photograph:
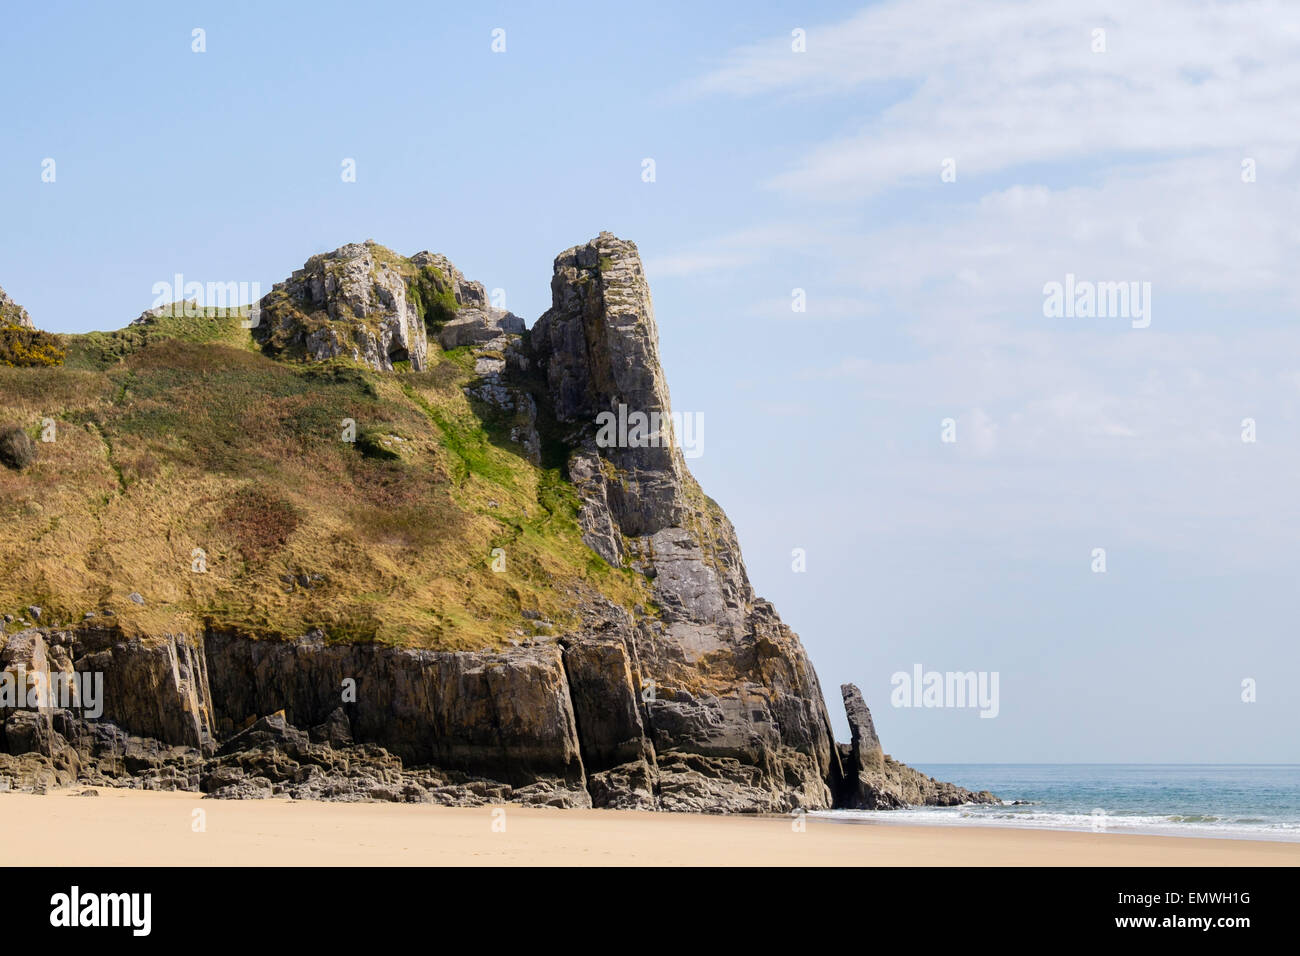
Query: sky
[[916, 174]]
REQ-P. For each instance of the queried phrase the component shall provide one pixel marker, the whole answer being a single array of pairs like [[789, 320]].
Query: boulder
[[17, 450]]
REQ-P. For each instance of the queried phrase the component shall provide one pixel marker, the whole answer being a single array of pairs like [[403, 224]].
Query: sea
[[1241, 801]]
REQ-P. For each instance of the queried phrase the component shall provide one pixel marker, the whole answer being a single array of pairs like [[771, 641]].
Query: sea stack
[[876, 781]]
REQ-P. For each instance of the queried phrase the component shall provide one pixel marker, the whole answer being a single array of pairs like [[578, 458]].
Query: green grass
[[97, 351]]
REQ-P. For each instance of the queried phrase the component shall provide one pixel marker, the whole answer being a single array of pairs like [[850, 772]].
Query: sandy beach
[[126, 827]]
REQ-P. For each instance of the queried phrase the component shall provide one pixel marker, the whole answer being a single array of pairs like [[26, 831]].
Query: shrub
[[17, 450], [27, 348]]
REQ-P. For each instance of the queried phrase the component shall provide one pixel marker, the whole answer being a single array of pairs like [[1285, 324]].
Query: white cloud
[[1003, 84], [1115, 167]]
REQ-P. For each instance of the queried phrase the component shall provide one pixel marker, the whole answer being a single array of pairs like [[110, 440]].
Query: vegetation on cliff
[[226, 487]]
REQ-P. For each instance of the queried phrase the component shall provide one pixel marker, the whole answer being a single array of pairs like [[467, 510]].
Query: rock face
[[708, 702], [598, 346], [732, 706], [223, 715], [11, 313], [875, 781], [351, 303]]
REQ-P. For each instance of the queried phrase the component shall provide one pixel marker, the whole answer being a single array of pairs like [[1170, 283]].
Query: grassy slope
[[182, 435]]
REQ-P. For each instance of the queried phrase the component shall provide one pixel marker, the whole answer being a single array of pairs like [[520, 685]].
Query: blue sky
[[818, 170]]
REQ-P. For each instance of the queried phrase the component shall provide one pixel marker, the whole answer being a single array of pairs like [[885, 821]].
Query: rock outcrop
[[11, 313], [706, 701], [598, 347], [351, 303], [875, 781], [732, 704], [365, 303]]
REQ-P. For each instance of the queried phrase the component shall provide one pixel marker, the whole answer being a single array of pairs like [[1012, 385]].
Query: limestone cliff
[[642, 672]]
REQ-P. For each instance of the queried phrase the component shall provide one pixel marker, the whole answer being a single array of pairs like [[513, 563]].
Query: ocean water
[[1258, 802]]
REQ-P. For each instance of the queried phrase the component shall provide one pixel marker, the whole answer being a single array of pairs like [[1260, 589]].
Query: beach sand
[[130, 827]]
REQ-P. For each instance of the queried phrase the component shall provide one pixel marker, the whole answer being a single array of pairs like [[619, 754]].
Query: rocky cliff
[[646, 674]]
